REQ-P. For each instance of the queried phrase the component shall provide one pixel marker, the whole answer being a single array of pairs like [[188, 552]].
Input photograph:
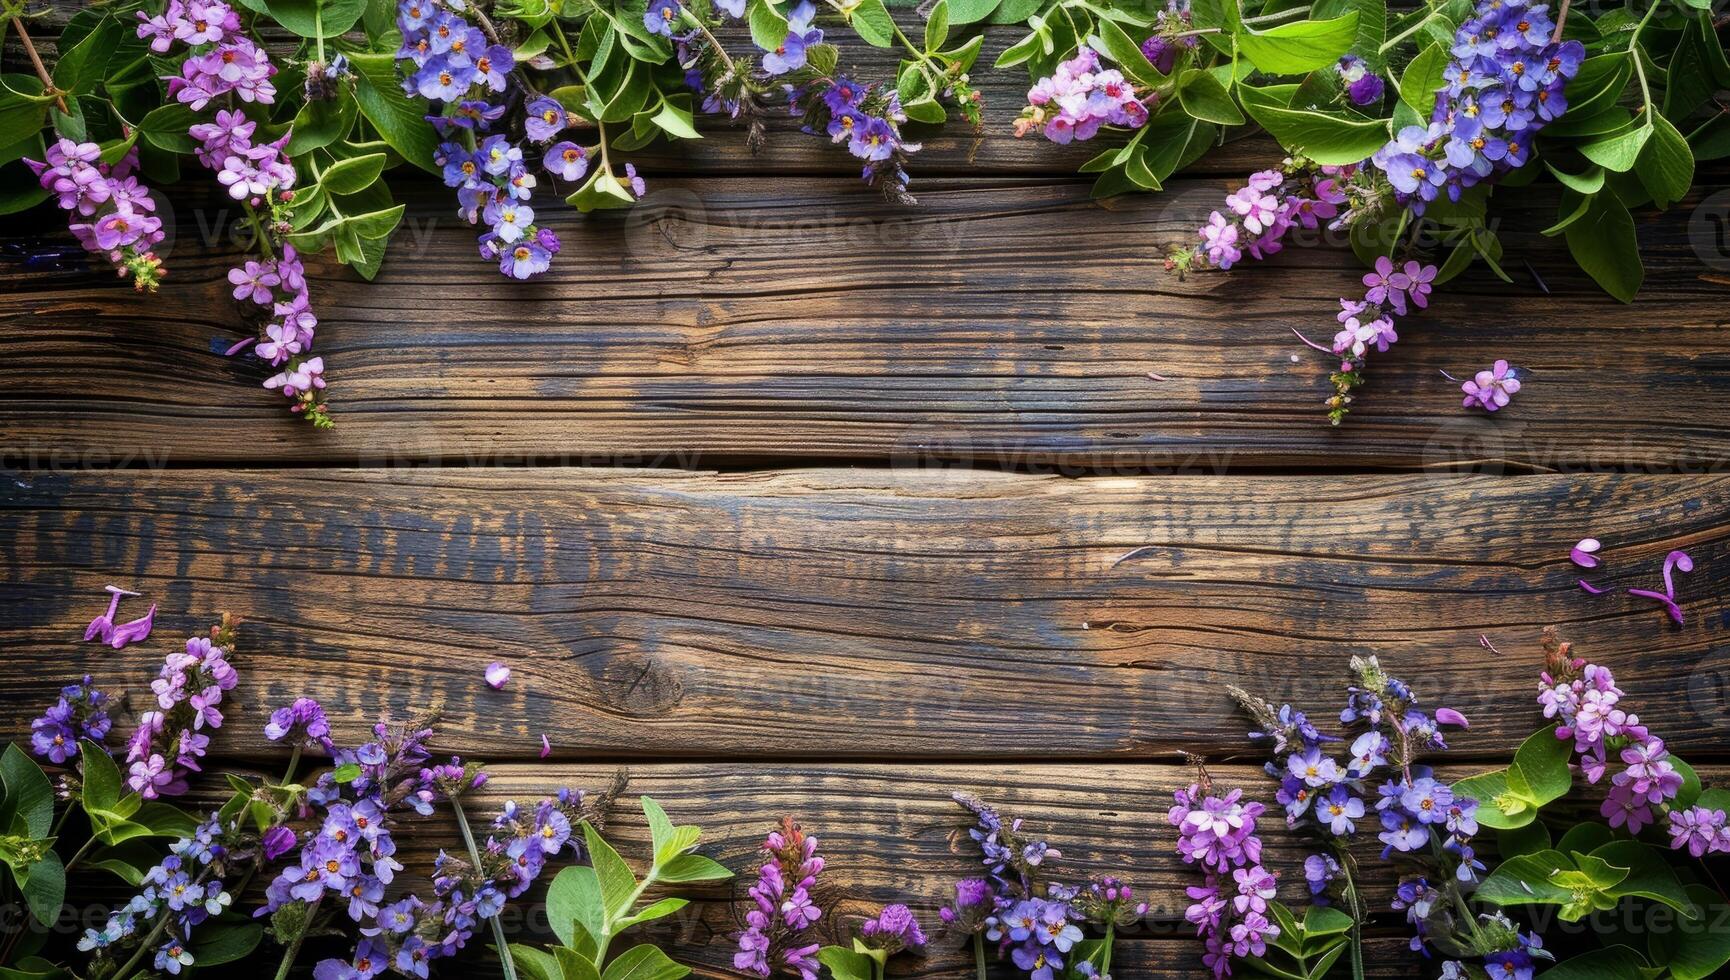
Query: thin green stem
[[509, 967], [1355, 901], [979, 954], [258, 230], [1278, 15], [1408, 32], [1110, 940], [79, 854], [318, 29], [293, 950]]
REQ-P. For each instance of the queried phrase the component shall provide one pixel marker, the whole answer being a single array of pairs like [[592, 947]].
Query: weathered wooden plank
[[733, 321], [865, 614], [886, 834]]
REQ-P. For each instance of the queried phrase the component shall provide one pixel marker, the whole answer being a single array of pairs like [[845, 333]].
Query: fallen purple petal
[[103, 625], [1589, 587], [1675, 560], [135, 631], [498, 675], [1449, 716], [1584, 553], [546, 746], [1157, 377], [1669, 603]]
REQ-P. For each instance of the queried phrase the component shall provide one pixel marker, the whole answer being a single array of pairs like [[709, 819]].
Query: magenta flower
[[1384, 285], [133, 631], [1417, 280], [254, 281], [1491, 389]]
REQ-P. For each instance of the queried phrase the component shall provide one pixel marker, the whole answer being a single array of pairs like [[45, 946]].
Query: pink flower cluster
[[1492, 389], [1218, 833], [1078, 99], [169, 741], [1700, 830], [1584, 698], [1369, 322], [228, 61], [259, 175], [771, 941], [112, 214], [1260, 213]]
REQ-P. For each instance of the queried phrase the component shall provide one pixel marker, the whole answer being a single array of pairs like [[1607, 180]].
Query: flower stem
[[510, 968], [293, 950], [1110, 939], [979, 953], [36, 62], [1357, 906]]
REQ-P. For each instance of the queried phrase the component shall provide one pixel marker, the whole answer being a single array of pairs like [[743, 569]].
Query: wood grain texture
[[866, 614], [733, 322]]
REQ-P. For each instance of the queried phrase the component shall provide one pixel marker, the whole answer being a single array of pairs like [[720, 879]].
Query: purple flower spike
[[1585, 553], [498, 675]]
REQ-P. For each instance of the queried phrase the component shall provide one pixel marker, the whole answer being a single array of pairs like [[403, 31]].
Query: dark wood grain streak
[[742, 322], [865, 614]]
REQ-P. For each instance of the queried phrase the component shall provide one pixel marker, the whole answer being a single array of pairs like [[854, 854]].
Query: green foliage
[[1583, 883], [1509, 798], [1306, 948], [589, 906]]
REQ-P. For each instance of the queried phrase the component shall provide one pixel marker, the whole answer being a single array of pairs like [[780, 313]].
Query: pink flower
[[1417, 279], [1584, 554], [498, 675], [1492, 389], [1385, 285]]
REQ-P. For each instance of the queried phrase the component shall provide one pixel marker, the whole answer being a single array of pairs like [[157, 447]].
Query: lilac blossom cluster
[[1079, 98], [1258, 215], [221, 61], [172, 738], [1229, 907], [224, 60], [411, 932], [1504, 84], [185, 890], [784, 908], [350, 857], [456, 63], [1173, 34], [1587, 704], [80, 713], [893, 929], [111, 213]]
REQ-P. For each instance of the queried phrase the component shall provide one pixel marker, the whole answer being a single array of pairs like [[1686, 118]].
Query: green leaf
[[676, 122], [166, 127], [1122, 49], [349, 177], [220, 942], [1325, 137], [102, 783], [1528, 879], [573, 966], [1540, 772], [534, 963], [375, 224], [1325, 920], [1604, 243], [575, 897], [1292, 49], [1700, 947], [1599, 964], [1585, 838], [321, 123], [45, 888], [871, 21], [1422, 77], [28, 808], [348, 772], [1619, 151], [693, 867], [971, 11], [399, 119], [845, 964], [130, 861], [1590, 182], [668, 840], [1649, 875], [659, 910], [644, 962], [1530, 839], [1666, 164], [603, 190], [617, 881], [1690, 789], [1203, 97], [768, 27], [937, 26], [317, 18], [80, 69], [20, 118]]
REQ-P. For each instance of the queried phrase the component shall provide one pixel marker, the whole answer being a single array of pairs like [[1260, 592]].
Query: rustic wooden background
[[786, 501]]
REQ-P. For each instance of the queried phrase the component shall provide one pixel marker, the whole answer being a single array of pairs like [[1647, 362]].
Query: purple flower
[[567, 160], [544, 117], [1491, 389], [661, 17], [1339, 809], [498, 675]]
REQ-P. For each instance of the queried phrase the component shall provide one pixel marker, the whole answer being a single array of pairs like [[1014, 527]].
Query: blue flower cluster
[[1039, 934], [1504, 84], [81, 712], [350, 857], [186, 887], [454, 63], [407, 935]]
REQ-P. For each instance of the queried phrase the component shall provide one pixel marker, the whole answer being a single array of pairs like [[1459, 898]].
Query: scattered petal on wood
[[1585, 553], [498, 675]]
